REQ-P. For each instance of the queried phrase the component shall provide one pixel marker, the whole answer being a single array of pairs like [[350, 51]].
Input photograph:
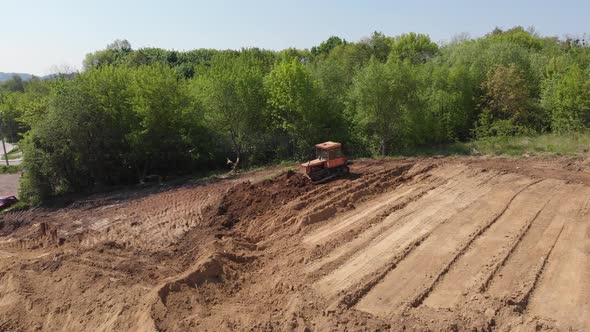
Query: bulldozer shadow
[[347, 177], [352, 176]]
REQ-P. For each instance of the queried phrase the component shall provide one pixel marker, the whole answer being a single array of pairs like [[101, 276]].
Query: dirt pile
[[193, 293], [248, 201], [409, 244]]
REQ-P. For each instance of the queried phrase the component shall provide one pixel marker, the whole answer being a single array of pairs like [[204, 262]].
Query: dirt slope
[[409, 244]]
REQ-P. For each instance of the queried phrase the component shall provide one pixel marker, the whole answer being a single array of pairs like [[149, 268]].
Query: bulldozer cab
[[328, 154], [321, 154], [328, 151]]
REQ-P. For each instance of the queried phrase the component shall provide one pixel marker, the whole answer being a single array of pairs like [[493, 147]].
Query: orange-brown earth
[[408, 244]]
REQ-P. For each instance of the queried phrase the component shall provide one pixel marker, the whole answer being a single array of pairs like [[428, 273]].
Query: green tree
[[416, 48], [507, 107], [294, 104], [381, 45], [519, 36], [328, 45], [446, 96], [567, 98], [381, 97], [164, 135], [115, 53], [111, 125], [506, 93], [232, 94], [59, 149]]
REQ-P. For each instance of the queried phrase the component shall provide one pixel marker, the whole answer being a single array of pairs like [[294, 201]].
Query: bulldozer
[[330, 162]]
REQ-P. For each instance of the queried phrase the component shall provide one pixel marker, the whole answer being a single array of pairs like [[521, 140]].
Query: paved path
[[9, 184], [9, 148]]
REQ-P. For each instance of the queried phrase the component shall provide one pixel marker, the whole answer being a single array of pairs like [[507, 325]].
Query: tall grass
[[572, 144], [12, 169]]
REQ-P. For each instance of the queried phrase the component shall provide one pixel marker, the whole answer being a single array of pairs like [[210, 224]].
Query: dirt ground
[[410, 244]]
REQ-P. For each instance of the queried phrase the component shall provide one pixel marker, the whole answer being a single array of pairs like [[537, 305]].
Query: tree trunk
[[238, 152]]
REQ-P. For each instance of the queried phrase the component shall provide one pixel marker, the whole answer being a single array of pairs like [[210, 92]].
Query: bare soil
[[409, 244]]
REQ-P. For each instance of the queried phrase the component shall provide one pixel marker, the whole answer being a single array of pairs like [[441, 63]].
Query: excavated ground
[[408, 244]]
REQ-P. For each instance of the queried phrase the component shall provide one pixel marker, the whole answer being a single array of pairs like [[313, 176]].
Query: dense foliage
[[132, 113]]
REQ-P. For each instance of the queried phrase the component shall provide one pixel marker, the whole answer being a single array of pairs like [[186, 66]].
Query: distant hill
[[7, 76], [26, 77]]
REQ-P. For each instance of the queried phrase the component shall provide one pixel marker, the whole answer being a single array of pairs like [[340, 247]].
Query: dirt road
[[409, 244]]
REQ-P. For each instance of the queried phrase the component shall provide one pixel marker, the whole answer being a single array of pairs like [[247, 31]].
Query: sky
[[42, 37]]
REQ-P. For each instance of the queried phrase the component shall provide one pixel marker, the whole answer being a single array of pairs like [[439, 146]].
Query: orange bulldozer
[[330, 162]]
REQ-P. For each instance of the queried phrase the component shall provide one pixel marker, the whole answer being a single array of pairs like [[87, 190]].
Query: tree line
[[131, 113]]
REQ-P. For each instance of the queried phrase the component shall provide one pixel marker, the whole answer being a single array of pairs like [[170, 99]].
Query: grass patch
[[573, 144], [12, 169], [283, 163], [450, 149], [282, 167], [15, 153], [281, 171], [19, 206]]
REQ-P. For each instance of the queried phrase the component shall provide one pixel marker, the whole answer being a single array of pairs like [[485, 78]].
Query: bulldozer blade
[[325, 179]]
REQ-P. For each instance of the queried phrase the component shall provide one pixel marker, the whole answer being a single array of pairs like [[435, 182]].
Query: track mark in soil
[[416, 186], [562, 292], [384, 244], [515, 277], [415, 276], [473, 269]]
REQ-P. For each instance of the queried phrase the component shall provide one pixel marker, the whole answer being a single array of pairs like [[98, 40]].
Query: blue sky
[[39, 36]]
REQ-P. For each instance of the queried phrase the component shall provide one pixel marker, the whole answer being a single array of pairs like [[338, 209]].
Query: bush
[[10, 169], [109, 126]]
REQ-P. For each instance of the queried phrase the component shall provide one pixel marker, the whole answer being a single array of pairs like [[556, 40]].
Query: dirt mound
[[192, 294], [247, 200]]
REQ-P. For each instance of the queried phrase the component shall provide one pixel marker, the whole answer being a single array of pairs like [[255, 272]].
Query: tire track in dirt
[[472, 271], [508, 283], [327, 200], [380, 213], [5, 254], [147, 223], [402, 208], [403, 232], [321, 205], [359, 234], [379, 205], [415, 276], [361, 213], [559, 290]]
